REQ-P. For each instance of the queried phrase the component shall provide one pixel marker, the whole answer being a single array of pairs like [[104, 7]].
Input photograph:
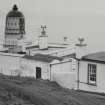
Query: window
[[92, 74]]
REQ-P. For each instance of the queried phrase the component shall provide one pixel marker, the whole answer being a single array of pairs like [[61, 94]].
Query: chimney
[[65, 40], [81, 48], [43, 39]]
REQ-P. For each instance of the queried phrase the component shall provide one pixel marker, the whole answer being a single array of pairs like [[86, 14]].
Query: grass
[[41, 92]]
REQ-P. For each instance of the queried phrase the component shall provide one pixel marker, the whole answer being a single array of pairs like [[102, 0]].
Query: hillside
[[39, 92]]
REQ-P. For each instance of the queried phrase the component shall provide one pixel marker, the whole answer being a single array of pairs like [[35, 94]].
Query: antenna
[[81, 44], [43, 27]]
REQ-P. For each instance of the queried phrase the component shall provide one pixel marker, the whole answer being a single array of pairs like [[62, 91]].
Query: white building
[[91, 72]]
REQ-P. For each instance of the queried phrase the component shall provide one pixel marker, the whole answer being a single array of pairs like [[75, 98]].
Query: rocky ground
[[25, 91]]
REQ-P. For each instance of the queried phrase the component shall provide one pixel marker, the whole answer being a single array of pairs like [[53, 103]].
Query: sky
[[70, 18]]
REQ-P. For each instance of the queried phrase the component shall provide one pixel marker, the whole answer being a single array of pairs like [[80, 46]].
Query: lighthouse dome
[[14, 12]]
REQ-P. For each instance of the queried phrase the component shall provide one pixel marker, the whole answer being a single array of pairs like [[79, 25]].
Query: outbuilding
[[38, 65], [51, 68]]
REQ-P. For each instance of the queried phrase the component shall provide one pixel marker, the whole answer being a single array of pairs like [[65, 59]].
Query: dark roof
[[15, 12], [43, 58], [73, 55], [31, 47], [37, 46], [97, 57]]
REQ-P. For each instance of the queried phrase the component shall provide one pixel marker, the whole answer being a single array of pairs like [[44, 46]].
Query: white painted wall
[[9, 62], [43, 42], [29, 68], [100, 77], [62, 67], [63, 74], [14, 64], [64, 51]]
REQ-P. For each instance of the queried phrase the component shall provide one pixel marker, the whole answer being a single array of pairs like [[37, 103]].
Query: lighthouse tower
[[14, 30]]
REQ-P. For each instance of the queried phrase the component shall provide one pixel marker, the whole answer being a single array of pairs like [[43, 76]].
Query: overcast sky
[[71, 18]]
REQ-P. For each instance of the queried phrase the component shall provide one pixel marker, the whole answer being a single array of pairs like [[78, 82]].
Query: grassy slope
[[40, 92]]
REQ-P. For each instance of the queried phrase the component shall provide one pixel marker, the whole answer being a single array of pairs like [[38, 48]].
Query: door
[[38, 72]]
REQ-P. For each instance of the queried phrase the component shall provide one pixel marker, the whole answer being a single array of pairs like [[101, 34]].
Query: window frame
[[92, 74]]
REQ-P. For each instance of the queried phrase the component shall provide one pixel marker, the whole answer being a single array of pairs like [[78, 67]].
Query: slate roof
[[43, 58], [98, 57]]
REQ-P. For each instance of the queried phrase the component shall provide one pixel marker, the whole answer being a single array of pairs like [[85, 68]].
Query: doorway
[[38, 72]]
